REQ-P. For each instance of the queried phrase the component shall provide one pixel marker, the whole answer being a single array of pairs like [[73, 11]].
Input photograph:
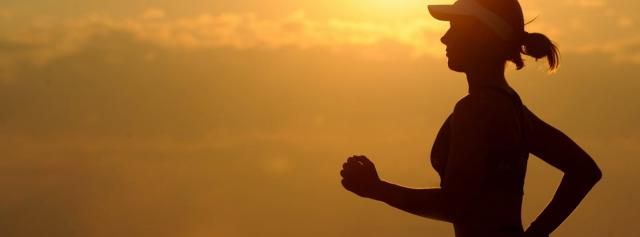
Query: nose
[[445, 37]]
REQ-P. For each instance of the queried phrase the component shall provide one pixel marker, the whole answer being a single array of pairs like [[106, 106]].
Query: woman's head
[[490, 32]]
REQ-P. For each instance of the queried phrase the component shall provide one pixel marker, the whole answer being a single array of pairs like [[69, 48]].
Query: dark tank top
[[507, 164]]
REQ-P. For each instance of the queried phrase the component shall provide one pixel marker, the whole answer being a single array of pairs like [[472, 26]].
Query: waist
[[487, 229], [493, 209]]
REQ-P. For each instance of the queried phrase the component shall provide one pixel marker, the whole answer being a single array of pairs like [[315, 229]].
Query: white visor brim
[[473, 9]]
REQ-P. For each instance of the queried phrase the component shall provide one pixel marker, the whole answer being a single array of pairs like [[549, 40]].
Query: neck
[[486, 77]]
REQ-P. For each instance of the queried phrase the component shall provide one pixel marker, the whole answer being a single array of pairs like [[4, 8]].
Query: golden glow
[[193, 118], [392, 10], [391, 5]]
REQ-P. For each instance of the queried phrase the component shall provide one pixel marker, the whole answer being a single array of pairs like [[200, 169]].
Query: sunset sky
[[232, 118]]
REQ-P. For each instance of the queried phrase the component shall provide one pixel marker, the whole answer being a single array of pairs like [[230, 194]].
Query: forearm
[[570, 193], [429, 203]]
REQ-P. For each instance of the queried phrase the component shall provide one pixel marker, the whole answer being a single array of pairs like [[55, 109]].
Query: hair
[[538, 46]]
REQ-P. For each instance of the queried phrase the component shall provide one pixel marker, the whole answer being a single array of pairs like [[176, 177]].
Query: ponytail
[[539, 46]]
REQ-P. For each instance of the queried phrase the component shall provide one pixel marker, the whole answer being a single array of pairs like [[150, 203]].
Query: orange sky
[[210, 118]]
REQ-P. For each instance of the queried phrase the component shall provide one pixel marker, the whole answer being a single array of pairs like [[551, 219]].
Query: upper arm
[[558, 150]]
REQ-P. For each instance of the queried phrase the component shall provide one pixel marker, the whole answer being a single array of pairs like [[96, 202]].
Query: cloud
[[621, 50], [588, 3], [238, 31], [246, 31], [39, 42], [153, 13]]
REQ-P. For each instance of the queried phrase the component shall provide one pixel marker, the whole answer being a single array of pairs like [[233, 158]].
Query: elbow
[[596, 174], [591, 175], [593, 172]]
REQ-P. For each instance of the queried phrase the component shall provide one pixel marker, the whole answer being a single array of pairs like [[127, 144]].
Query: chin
[[455, 66]]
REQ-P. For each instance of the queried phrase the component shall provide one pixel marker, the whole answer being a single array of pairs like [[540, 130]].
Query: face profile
[[470, 44]]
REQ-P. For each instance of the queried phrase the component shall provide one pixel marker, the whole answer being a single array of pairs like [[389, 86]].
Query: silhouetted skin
[[481, 152]]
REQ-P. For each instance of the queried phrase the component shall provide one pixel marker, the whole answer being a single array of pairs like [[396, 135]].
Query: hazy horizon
[[233, 119]]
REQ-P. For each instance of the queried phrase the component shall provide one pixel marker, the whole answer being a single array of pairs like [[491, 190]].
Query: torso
[[498, 207]]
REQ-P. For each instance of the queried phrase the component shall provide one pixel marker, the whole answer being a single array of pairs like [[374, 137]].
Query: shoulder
[[472, 103], [471, 114], [482, 111], [484, 105]]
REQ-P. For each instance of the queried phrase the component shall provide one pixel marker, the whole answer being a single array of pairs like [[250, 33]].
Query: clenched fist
[[359, 176]]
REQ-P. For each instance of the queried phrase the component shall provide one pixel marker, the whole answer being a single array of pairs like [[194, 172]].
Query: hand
[[359, 176]]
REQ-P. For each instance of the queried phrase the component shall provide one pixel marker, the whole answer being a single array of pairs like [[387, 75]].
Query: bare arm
[[465, 169], [580, 174], [429, 203], [360, 177]]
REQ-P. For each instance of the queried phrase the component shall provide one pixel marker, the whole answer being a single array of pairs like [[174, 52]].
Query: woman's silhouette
[[481, 151]]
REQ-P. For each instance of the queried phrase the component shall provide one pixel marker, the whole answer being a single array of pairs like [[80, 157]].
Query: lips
[[450, 52]]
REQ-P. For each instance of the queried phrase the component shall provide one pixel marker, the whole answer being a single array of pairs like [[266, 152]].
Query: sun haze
[[232, 118]]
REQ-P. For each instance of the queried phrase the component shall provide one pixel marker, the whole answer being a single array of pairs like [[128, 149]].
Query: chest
[[507, 156]]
